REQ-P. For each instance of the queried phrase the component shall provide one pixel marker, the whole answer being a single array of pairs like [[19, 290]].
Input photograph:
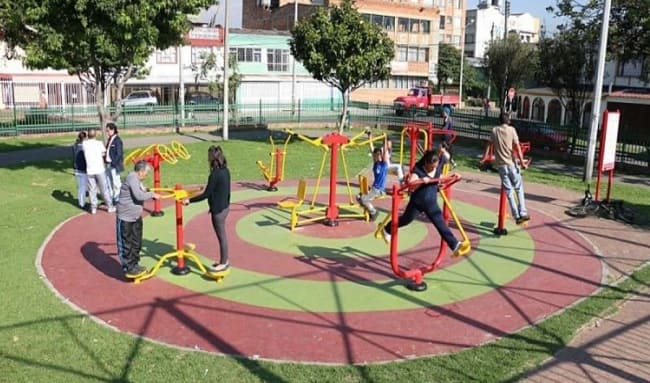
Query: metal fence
[[468, 123]]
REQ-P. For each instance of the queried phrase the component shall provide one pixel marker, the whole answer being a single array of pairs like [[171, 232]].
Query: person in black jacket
[[217, 192], [114, 160], [79, 167], [425, 199]]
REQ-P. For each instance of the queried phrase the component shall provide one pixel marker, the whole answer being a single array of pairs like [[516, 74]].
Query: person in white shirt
[[94, 153]]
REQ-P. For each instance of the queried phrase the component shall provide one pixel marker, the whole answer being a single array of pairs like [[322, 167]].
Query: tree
[[510, 62], [103, 42], [448, 66], [629, 22], [567, 66], [337, 46], [209, 70]]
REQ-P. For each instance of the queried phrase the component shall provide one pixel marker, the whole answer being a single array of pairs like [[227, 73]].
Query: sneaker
[[373, 216], [112, 209], [386, 235], [93, 210], [217, 267], [522, 219], [462, 248], [136, 271]]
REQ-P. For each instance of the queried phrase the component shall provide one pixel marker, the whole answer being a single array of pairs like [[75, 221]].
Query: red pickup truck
[[420, 98]]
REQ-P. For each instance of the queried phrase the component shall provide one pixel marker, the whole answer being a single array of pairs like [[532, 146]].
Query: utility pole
[[462, 60], [226, 63], [293, 60], [598, 92], [507, 13]]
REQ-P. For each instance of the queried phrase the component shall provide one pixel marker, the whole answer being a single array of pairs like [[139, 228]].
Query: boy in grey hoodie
[[129, 219]]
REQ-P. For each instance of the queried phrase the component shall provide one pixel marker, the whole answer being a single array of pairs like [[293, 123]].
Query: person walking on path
[[448, 125], [217, 192], [114, 160], [94, 154], [504, 141], [129, 219], [79, 168], [425, 199]]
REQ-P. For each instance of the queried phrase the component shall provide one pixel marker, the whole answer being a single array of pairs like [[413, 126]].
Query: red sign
[[205, 37]]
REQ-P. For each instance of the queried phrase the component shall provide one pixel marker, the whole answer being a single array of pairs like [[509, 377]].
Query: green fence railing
[[633, 149]]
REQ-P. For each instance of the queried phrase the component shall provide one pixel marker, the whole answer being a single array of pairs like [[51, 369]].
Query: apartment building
[[487, 23], [416, 26]]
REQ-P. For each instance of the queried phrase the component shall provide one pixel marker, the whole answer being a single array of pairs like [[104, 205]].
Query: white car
[[140, 98]]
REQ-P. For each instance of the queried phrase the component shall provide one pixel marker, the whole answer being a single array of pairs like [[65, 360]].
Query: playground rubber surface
[[324, 294]]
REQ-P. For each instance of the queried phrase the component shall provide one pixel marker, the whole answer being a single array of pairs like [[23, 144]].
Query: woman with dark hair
[[217, 192], [425, 199], [79, 166]]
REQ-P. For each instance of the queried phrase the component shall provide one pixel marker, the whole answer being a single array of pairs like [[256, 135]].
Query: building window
[[426, 26], [442, 22], [456, 39], [277, 60], [199, 54], [403, 24], [168, 56], [250, 55], [456, 21], [469, 38], [460, 4], [389, 23], [402, 55]]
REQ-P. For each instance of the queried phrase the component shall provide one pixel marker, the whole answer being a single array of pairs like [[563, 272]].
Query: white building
[[486, 23]]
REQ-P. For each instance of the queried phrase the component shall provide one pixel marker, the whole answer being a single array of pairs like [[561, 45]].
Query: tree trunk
[[344, 112]]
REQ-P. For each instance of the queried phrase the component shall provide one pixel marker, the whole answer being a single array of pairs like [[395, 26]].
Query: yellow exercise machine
[[331, 144], [154, 155], [183, 250], [276, 163]]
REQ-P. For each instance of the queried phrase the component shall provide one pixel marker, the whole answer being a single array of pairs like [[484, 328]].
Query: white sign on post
[[610, 138]]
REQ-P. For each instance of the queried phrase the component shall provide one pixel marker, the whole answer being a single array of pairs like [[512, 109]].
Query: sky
[[536, 8]]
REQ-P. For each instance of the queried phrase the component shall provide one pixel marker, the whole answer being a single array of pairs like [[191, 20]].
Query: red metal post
[[334, 140], [502, 211], [156, 182]]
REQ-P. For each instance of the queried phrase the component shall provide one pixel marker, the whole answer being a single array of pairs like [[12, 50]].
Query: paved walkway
[[613, 349]]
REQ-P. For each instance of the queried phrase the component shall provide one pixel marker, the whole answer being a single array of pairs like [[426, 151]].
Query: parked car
[[140, 98], [200, 98], [541, 135]]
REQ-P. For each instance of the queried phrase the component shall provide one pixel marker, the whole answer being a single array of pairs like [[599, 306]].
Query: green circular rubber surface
[[495, 263]]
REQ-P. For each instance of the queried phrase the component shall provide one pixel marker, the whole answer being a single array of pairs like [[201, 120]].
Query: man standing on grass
[[94, 154]]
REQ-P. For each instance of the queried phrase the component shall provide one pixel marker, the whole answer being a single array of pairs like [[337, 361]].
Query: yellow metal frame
[[167, 154], [187, 252], [267, 171], [420, 150]]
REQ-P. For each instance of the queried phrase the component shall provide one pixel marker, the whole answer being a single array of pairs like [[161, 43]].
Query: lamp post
[[462, 60], [293, 66], [226, 63]]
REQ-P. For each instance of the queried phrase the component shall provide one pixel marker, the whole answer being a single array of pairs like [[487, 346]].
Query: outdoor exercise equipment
[[414, 276], [503, 199], [154, 155], [412, 131], [276, 163], [183, 250], [332, 144], [487, 160]]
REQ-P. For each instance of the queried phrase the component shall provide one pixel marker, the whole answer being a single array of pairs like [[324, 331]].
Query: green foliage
[[567, 62], [629, 27], [337, 46], [101, 41], [207, 71], [448, 65], [510, 62]]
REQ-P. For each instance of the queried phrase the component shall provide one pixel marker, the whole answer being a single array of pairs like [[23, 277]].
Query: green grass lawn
[[43, 339]]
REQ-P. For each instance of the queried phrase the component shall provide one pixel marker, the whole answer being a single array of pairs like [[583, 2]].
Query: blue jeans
[[512, 182]]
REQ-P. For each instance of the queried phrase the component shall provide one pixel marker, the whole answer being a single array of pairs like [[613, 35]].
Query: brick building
[[416, 26]]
